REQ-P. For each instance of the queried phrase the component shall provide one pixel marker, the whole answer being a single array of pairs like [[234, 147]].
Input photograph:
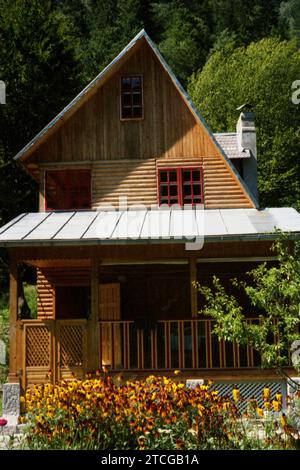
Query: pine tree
[[41, 75]]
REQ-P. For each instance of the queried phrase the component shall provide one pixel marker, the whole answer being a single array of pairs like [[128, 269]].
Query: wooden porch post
[[194, 293], [14, 337], [93, 323], [42, 196]]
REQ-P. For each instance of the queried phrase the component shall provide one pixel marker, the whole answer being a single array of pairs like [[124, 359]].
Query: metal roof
[[147, 226], [99, 79], [228, 142]]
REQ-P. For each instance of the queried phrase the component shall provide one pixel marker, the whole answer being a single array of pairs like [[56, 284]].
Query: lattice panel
[[38, 346], [249, 390], [71, 345]]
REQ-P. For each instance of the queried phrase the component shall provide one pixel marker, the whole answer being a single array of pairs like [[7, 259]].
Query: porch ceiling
[[147, 226]]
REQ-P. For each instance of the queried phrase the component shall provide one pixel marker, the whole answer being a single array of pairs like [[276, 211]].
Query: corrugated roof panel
[[183, 224], [50, 226], [287, 218], [63, 227], [20, 229], [76, 226], [237, 221], [156, 225], [130, 225], [213, 223], [103, 226], [12, 222]]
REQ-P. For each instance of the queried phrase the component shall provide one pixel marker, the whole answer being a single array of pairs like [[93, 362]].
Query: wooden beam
[[193, 290], [14, 336], [42, 195], [93, 324]]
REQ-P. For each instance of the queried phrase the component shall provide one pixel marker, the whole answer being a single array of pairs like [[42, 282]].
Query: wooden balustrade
[[55, 350], [170, 344]]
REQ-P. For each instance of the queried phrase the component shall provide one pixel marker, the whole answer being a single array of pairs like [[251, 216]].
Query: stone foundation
[[11, 399]]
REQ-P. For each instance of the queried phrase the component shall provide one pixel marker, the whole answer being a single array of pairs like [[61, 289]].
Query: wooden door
[[110, 312]]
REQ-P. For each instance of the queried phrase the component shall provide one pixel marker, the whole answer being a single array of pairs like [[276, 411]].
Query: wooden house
[[138, 199]]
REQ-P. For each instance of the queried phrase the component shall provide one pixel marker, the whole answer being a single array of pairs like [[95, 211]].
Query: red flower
[[3, 422]]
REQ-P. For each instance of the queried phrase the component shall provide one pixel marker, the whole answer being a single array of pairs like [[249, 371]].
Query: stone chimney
[[246, 137]]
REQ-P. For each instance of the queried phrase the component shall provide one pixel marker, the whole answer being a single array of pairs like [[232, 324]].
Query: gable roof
[[100, 79]]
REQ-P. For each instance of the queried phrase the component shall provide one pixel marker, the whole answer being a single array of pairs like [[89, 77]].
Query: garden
[[154, 413]]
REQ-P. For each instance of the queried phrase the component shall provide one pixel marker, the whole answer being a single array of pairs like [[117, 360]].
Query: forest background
[[225, 52]]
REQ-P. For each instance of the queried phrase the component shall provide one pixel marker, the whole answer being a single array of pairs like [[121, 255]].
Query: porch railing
[[170, 344]]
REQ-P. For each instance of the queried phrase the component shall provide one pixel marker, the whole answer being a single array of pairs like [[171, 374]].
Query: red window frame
[[181, 182], [129, 95], [82, 189]]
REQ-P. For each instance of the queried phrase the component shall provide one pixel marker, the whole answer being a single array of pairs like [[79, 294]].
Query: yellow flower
[[267, 405], [283, 421], [177, 372], [266, 394], [260, 412], [276, 405], [278, 397], [236, 394]]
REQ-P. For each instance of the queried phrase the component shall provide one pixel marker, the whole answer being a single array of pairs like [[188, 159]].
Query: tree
[[275, 293], [41, 74], [290, 18], [39, 67], [248, 20], [185, 36], [261, 74]]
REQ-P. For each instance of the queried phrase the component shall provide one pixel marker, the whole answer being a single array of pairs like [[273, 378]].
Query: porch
[[132, 317]]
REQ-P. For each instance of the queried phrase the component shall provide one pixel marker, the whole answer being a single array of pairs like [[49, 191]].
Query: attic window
[[183, 186], [68, 189], [131, 97]]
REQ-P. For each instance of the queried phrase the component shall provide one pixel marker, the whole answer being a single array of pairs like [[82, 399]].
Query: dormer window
[[132, 97], [183, 186], [68, 189]]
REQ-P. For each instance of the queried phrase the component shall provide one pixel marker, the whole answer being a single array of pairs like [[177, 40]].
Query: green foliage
[[38, 66], [290, 18], [261, 74], [4, 315], [30, 293], [273, 291]]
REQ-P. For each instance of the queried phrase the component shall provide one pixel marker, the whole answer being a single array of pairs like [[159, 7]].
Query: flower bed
[[155, 413]]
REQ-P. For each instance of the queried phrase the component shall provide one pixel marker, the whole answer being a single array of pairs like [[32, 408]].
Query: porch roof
[[147, 226]]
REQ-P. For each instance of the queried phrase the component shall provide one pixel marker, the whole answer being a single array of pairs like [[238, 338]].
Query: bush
[[155, 413]]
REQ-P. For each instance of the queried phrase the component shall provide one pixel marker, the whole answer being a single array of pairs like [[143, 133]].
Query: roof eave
[[96, 242]]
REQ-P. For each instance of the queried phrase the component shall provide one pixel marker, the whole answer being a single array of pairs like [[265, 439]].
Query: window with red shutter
[[183, 186], [68, 189]]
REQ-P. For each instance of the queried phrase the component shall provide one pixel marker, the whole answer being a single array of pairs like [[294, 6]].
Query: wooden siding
[[95, 131], [134, 180], [48, 278], [45, 297], [123, 153]]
